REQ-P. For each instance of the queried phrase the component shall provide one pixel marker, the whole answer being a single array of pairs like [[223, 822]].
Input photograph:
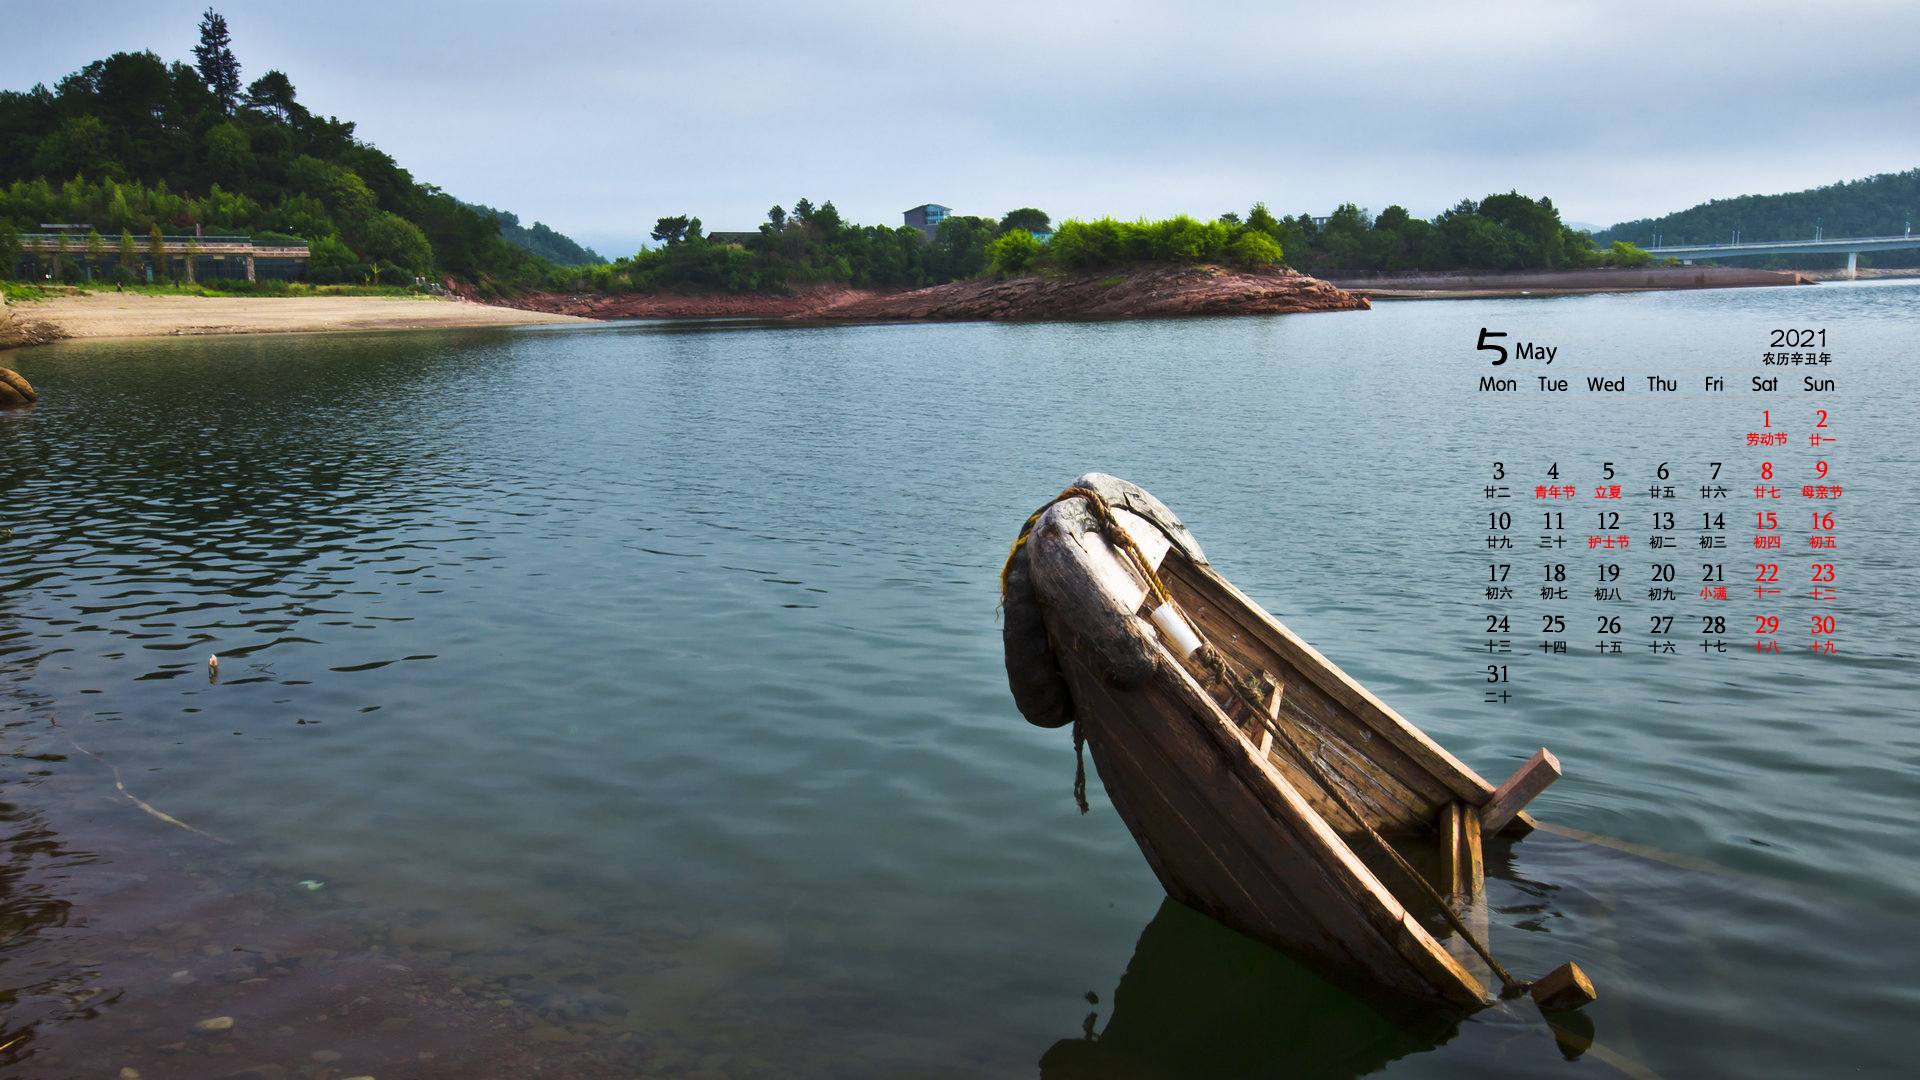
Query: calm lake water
[[628, 700]]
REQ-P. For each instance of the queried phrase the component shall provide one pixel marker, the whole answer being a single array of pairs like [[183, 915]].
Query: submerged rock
[[15, 390]]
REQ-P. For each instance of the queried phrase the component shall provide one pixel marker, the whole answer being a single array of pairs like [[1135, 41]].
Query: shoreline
[[139, 315], [1148, 293], [1500, 284]]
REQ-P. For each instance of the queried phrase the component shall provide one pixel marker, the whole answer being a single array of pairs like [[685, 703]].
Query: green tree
[[1260, 219], [392, 238], [157, 251], [347, 198], [671, 230], [83, 144], [129, 255], [214, 59], [96, 251], [329, 252], [272, 94], [1028, 218], [229, 151], [9, 249]]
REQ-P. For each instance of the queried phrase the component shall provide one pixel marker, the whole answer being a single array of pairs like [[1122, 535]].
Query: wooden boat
[[1269, 820]]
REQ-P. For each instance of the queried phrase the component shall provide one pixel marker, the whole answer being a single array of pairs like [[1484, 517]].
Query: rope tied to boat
[[1079, 767], [1217, 665]]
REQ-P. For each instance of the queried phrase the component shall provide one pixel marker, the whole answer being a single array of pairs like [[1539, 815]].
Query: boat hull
[[1226, 831]]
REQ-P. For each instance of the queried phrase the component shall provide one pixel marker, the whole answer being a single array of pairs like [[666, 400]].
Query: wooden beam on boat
[[1464, 876], [1473, 866], [1450, 830], [1511, 797]]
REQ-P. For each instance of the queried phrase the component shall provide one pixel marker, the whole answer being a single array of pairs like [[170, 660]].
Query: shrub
[[1181, 239], [1013, 253], [1622, 253], [1255, 249]]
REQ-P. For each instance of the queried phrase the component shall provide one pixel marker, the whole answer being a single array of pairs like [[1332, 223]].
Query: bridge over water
[[1851, 247]]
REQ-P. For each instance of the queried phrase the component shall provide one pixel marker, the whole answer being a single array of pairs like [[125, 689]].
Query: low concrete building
[[45, 255]]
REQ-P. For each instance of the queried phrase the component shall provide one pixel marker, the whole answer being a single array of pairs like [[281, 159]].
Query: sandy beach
[[122, 315]]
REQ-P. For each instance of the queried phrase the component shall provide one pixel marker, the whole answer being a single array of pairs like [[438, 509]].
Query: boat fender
[[1118, 642], [1033, 672]]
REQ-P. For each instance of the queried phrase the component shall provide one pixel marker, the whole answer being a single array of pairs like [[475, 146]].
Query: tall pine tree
[[218, 67]]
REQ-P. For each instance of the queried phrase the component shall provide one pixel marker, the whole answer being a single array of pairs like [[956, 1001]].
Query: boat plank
[[1291, 850], [1397, 792], [1265, 880], [1463, 782]]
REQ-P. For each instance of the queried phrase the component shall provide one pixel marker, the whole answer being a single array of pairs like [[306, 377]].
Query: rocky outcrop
[[15, 331], [1150, 292]]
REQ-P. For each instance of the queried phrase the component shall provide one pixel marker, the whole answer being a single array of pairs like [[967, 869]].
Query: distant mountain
[[540, 240], [1880, 205]]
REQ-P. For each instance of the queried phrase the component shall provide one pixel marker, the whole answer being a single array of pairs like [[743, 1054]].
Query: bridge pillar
[[1853, 263]]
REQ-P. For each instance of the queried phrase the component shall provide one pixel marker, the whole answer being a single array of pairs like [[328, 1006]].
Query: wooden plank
[[1355, 885], [1449, 842], [1185, 809], [1472, 862], [1398, 793], [1231, 841], [1337, 684], [1278, 691], [1565, 987], [1529, 780]]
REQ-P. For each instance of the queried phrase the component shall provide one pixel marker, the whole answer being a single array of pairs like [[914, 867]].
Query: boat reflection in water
[[1199, 999]]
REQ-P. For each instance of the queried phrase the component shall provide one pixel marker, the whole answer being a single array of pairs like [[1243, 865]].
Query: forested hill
[[1876, 206], [542, 241], [133, 143]]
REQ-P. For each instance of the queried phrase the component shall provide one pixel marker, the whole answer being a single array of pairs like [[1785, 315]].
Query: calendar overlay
[[1736, 548]]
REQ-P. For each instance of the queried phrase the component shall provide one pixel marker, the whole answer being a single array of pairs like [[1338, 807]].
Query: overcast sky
[[598, 117]]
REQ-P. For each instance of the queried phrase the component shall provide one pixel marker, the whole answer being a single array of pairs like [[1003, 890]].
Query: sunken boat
[[1266, 787]]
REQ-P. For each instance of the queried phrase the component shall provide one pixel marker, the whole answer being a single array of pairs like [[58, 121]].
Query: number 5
[[1501, 349]]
